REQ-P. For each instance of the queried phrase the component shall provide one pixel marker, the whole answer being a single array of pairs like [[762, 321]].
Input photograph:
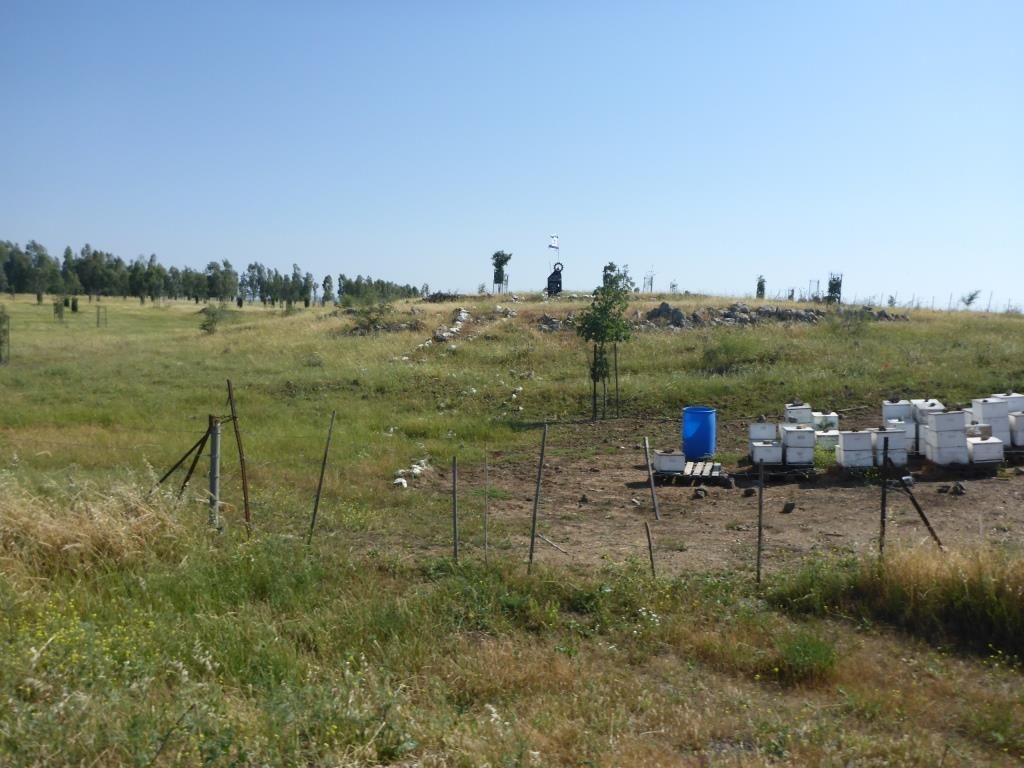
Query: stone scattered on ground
[[743, 314]]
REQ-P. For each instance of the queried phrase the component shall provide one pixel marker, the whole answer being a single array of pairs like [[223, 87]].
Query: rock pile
[[742, 314], [550, 324], [446, 333]]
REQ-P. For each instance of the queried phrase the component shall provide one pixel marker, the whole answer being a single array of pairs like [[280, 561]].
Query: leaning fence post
[[241, 457], [536, 498], [650, 479], [215, 520], [320, 484]]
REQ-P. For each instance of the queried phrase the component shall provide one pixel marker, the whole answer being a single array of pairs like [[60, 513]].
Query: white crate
[[795, 456], [855, 441], [899, 458], [760, 430], [798, 414], [825, 421], [767, 451], [669, 461], [797, 435], [948, 438], [987, 408], [1014, 400], [827, 439], [897, 409], [854, 459], [946, 420], [980, 449]]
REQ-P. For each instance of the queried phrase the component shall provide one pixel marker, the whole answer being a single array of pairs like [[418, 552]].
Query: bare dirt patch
[[595, 500]]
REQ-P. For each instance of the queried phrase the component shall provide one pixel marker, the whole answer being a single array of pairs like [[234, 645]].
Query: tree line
[[93, 272]]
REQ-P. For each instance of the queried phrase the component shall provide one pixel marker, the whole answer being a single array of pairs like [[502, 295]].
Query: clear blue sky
[[708, 141]]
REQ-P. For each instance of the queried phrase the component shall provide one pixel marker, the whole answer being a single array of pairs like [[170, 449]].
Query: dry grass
[[41, 536], [972, 598]]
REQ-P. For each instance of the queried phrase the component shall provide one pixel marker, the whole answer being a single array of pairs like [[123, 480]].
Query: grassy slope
[[131, 637]]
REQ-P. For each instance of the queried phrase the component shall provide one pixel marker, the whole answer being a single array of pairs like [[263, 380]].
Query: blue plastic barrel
[[698, 431]]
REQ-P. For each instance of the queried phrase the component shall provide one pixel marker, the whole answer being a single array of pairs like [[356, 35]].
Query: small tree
[[835, 289], [760, 286], [969, 298], [499, 259], [604, 323]]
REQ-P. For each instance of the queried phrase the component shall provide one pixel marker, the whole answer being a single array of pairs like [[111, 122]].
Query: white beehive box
[[1014, 401], [797, 435], [855, 441], [797, 456], [827, 439], [762, 431], [897, 438], [944, 456], [798, 413], [825, 421], [766, 451], [943, 421], [1017, 428], [854, 459], [987, 409], [923, 407], [669, 461], [947, 438], [897, 409], [899, 458], [981, 450]]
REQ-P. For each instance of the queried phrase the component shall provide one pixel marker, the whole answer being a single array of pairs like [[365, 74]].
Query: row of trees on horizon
[[92, 272]]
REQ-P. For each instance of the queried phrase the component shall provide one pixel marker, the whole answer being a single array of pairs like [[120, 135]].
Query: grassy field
[[133, 635]]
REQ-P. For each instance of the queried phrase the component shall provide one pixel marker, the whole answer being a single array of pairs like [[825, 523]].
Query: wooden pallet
[[696, 471]]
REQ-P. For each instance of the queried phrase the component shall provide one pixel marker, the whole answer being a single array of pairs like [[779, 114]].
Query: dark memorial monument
[[555, 280]]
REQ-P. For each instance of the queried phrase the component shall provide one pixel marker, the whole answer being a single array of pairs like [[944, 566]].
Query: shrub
[[212, 315]]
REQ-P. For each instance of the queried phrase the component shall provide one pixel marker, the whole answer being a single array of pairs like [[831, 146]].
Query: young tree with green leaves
[[604, 323], [499, 259]]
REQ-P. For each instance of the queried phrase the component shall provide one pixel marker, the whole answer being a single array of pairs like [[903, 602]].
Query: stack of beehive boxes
[[765, 446], [902, 411], [890, 441], [792, 441], [1015, 407], [854, 450], [797, 444], [944, 437]]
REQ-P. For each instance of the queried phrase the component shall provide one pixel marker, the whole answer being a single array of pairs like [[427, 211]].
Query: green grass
[[132, 635]]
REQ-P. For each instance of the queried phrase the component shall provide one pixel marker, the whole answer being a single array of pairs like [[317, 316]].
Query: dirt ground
[[595, 499]]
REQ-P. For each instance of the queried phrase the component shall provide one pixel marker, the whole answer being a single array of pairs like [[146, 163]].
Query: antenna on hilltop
[[553, 243]]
